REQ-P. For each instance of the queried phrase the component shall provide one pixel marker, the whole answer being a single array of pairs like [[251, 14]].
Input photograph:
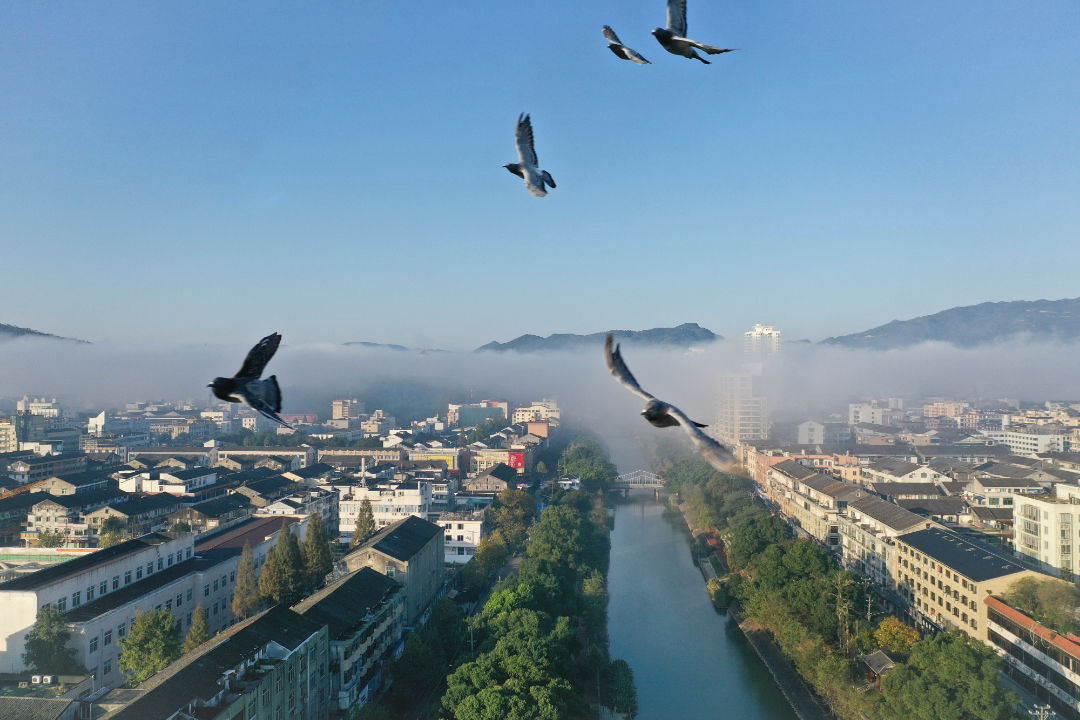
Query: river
[[688, 661]]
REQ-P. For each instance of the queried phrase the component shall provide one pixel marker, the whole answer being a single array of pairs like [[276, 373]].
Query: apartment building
[[545, 410], [1047, 528], [946, 577], [411, 552], [364, 613], [390, 502], [1044, 662], [26, 470], [271, 667], [869, 532], [305, 453]]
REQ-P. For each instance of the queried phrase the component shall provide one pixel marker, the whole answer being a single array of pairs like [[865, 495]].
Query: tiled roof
[[344, 605], [891, 516], [793, 469], [404, 539]]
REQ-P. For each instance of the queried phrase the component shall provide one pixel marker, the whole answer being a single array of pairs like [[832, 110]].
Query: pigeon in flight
[[535, 178], [620, 50], [660, 414], [674, 37], [263, 396]]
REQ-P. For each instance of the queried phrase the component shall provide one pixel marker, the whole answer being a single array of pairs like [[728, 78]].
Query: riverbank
[[794, 689]]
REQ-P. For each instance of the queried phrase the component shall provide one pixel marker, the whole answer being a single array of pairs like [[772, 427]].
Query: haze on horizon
[[203, 173]]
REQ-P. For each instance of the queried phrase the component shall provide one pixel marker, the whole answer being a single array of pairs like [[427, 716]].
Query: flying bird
[[264, 396], [620, 50], [535, 178], [674, 37], [661, 414]]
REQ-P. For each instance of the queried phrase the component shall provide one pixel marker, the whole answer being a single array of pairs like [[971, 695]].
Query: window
[[215, 585], [149, 568], [76, 599], [89, 593], [103, 588], [108, 638], [93, 644], [189, 619], [127, 578], [232, 576], [108, 666], [170, 562], [121, 630], [61, 604], [160, 563], [189, 552], [138, 573], [168, 604], [189, 595], [179, 599], [206, 590]]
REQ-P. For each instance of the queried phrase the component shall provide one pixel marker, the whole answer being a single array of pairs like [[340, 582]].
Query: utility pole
[[1042, 712]]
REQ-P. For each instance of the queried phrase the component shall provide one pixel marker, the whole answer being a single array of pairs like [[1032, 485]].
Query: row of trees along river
[[821, 617]]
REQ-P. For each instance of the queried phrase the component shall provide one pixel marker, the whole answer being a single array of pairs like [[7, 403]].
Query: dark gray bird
[[661, 414], [534, 177], [620, 50], [674, 37], [264, 396]]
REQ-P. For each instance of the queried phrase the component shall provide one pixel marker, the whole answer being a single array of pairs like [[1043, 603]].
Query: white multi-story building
[[463, 532], [1031, 441], [346, 409], [39, 406], [545, 409], [390, 502], [175, 482], [743, 416], [1046, 528], [873, 414], [9, 442], [761, 340]]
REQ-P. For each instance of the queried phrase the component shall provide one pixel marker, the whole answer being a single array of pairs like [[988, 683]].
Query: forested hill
[[685, 335], [975, 325]]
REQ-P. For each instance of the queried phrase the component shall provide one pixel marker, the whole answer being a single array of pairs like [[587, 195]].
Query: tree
[[283, 579], [199, 632], [46, 649], [511, 514], [365, 523], [246, 593], [50, 540], [113, 531], [151, 644], [896, 637], [318, 561], [541, 468], [949, 675], [419, 667], [618, 691], [753, 535]]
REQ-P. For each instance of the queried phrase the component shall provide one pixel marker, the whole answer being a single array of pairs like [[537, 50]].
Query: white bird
[[535, 178], [620, 50], [661, 414], [674, 37]]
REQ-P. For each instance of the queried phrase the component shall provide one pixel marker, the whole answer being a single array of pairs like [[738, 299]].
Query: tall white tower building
[[761, 340]]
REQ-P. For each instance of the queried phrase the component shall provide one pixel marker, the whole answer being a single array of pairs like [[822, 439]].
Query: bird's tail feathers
[[548, 179]]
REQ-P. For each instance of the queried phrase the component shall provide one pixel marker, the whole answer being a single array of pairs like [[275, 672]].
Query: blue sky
[[205, 171]]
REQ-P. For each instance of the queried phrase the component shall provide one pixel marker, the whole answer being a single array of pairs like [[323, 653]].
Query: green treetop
[[283, 579], [46, 649], [199, 631], [152, 643], [318, 561], [365, 523], [246, 598]]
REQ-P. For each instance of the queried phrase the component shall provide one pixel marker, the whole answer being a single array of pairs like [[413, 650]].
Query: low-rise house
[[411, 552], [463, 532], [305, 503], [64, 514], [896, 491], [266, 490], [29, 469], [943, 509], [893, 470], [174, 482], [364, 613], [494, 479], [211, 514], [74, 483], [139, 515]]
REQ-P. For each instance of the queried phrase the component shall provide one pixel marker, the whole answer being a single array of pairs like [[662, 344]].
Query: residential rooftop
[[83, 563], [976, 562]]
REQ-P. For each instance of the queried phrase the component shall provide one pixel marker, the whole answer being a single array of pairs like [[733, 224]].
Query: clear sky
[[206, 171]]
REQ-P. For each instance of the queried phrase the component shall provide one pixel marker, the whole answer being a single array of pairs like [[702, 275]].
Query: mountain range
[[973, 325], [684, 335]]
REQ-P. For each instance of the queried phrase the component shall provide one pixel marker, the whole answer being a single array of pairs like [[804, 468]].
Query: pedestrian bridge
[[639, 479]]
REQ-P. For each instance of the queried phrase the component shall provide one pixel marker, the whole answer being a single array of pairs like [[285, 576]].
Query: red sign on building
[[517, 460]]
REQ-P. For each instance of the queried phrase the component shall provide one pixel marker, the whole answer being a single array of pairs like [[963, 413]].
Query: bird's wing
[[717, 455], [712, 50], [611, 36], [676, 17], [259, 355], [547, 178], [618, 368], [261, 405], [524, 139], [635, 56]]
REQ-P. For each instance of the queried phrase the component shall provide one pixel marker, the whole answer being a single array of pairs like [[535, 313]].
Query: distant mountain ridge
[[975, 325], [685, 335], [10, 332], [390, 346]]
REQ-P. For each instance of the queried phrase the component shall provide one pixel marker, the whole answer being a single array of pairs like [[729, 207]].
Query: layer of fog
[[802, 382]]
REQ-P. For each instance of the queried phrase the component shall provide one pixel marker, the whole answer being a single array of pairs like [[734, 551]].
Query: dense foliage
[[586, 458], [46, 649], [317, 556], [539, 644], [1052, 602], [712, 498], [199, 632], [246, 598], [152, 643], [365, 523], [283, 578]]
